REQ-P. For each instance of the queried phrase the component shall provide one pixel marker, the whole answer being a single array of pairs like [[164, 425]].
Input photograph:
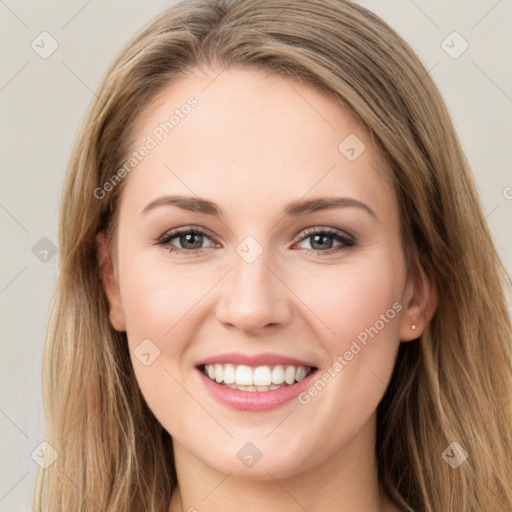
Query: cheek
[[351, 299], [157, 298], [158, 305], [361, 305]]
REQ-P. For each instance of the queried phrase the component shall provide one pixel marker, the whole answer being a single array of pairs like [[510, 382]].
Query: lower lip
[[254, 401]]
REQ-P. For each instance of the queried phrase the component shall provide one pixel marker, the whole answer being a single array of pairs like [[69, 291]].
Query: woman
[[335, 337]]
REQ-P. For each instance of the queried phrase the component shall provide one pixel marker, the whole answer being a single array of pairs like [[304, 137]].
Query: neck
[[346, 481]]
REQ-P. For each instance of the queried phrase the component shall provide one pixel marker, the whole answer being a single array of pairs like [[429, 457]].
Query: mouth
[[257, 379], [254, 382]]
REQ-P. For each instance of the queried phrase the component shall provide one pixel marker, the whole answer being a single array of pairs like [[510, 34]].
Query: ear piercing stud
[[413, 327]]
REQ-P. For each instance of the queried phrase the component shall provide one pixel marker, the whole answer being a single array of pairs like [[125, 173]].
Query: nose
[[254, 298]]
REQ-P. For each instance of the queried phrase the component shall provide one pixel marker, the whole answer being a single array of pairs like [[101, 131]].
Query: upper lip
[[265, 359]]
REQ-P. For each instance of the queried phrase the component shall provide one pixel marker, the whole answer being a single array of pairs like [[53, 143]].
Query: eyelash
[[345, 240]]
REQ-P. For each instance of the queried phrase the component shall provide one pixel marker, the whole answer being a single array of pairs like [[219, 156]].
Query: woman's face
[[264, 279]]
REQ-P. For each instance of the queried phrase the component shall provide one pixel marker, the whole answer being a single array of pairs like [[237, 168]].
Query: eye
[[322, 241], [189, 239]]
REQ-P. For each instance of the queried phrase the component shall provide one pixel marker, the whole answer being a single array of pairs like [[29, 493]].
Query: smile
[[254, 382], [255, 379]]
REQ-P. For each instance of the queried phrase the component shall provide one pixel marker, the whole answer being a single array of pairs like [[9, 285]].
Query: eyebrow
[[294, 209]]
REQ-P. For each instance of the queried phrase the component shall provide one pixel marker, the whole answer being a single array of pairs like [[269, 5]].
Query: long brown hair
[[453, 384]]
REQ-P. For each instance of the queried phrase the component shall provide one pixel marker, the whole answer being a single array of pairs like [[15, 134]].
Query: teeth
[[289, 375], [229, 374], [300, 373], [277, 374], [219, 373], [261, 378], [254, 388], [243, 376]]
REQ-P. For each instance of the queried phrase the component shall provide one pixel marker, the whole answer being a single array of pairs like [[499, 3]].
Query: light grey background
[[42, 103]]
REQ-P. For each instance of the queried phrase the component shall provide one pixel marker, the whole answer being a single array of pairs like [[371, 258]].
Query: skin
[[254, 143]]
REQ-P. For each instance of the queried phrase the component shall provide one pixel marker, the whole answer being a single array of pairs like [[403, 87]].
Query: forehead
[[251, 134]]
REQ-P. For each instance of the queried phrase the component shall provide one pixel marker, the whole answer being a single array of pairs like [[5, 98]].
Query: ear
[[421, 301], [110, 284]]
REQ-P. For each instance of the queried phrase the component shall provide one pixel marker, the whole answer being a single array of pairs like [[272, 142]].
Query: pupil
[[319, 237], [189, 238]]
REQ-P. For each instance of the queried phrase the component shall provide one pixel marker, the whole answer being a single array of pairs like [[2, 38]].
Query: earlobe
[[421, 300], [110, 285]]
